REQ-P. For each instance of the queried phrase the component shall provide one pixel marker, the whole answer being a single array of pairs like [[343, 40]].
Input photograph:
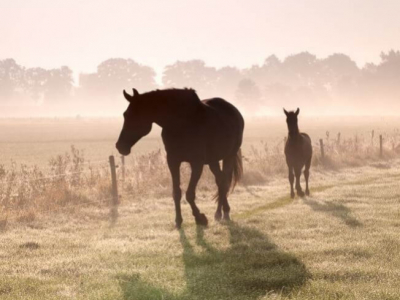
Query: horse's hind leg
[[174, 167], [307, 175], [197, 169], [297, 172], [227, 171], [219, 180]]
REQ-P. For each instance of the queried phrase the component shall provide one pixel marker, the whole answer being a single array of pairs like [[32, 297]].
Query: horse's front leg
[[299, 190], [174, 168], [197, 169]]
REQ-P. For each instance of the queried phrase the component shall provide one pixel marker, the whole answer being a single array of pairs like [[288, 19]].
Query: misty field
[[59, 241]]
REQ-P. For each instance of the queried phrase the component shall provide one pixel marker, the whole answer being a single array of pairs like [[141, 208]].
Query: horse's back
[[212, 133], [225, 109]]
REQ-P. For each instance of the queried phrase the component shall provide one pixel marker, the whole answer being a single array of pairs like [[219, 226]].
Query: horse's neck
[[173, 112], [294, 132]]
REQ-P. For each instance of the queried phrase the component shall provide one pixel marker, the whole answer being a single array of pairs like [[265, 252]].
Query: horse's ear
[[286, 113], [128, 97], [135, 92], [297, 111]]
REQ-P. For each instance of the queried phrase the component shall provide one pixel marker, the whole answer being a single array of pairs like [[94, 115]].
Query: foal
[[298, 152]]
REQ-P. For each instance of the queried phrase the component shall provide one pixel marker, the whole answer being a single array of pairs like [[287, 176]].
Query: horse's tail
[[237, 171]]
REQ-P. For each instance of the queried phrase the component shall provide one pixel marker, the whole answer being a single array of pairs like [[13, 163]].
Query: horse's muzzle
[[122, 149]]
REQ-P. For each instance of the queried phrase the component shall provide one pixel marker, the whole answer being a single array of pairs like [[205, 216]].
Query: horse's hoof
[[218, 216], [201, 219], [227, 217], [307, 193], [300, 194], [178, 224], [292, 195]]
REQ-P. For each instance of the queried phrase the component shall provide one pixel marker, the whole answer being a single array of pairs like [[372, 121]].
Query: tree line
[[298, 80]]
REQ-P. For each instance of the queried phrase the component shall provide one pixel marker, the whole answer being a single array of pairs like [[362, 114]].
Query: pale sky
[[83, 33]]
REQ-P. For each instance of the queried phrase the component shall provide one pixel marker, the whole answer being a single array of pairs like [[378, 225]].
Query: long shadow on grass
[[248, 269], [335, 209]]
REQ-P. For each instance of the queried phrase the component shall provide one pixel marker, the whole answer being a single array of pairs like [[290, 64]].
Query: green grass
[[342, 242]]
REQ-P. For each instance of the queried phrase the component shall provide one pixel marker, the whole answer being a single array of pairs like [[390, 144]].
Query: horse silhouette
[[194, 131], [298, 152]]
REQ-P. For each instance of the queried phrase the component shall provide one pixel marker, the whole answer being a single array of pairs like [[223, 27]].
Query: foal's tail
[[237, 171]]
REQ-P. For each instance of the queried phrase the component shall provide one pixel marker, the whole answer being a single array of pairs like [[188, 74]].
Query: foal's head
[[291, 120], [137, 122]]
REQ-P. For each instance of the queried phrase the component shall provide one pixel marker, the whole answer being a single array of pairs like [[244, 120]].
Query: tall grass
[[70, 179]]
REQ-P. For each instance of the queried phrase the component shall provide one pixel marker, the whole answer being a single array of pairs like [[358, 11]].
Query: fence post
[[114, 202], [380, 146], [123, 167], [321, 144]]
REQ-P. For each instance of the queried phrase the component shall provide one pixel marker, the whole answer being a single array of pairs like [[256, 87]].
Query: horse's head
[[291, 120], [137, 123]]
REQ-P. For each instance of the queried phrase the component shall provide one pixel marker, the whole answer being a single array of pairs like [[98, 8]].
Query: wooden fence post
[[321, 144], [380, 146], [114, 201], [123, 167]]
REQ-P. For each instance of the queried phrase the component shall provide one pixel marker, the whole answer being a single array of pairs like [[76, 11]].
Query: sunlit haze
[[83, 33], [59, 57]]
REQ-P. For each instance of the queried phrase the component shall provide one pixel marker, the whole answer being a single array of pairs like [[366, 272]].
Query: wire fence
[[21, 189], [150, 171]]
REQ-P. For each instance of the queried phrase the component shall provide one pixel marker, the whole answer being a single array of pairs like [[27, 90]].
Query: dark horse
[[298, 152], [193, 131]]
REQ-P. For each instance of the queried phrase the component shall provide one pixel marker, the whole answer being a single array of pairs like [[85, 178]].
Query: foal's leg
[[291, 181], [307, 175], [197, 169], [297, 172], [174, 167]]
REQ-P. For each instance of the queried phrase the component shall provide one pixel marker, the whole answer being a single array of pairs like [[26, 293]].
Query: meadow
[[59, 241]]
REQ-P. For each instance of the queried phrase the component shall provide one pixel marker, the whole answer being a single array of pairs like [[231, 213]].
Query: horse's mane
[[187, 93]]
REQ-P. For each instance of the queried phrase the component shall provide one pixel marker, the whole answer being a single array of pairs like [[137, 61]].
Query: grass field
[[342, 242], [35, 141]]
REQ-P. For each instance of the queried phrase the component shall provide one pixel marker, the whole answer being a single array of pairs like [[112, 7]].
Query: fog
[[74, 58]]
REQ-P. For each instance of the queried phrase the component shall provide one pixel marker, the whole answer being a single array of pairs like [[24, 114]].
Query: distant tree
[[339, 73], [58, 86], [269, 73], [114, 75], [248, 95], [227, 81], [193, 74], [11, 78], [35, 83], [380, 82], [301, 69]]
